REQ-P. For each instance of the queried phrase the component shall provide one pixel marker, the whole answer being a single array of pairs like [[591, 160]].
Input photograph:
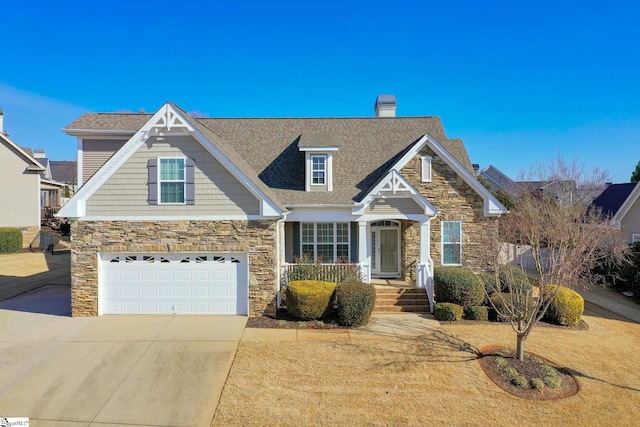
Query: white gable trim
[[631, 200], [394, 185], [491, 205], [167, 120]]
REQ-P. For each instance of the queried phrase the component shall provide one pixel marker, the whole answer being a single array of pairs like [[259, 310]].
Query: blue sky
[[520, 83]]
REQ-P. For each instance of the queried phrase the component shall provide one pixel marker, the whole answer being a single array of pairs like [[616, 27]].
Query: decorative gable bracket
[[394, 185], [168, 118]]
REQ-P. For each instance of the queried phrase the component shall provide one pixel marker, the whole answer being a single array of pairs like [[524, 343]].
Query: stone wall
[[89, 238], [456, 201]]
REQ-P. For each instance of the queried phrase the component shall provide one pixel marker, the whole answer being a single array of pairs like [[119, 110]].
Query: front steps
[[392, 299]]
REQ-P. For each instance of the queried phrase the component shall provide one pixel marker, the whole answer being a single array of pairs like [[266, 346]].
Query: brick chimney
[[385, 106]]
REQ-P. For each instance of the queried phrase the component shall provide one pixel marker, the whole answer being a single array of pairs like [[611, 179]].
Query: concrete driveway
[[111, 370]]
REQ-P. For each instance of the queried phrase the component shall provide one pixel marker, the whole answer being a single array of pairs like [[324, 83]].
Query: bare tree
[[554, 240]]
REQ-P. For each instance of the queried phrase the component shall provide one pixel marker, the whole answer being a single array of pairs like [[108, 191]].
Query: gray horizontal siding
[[96, 152], [20, 207], [217, 192], [394, 206]]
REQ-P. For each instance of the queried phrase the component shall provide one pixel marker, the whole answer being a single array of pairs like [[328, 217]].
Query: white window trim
[[328, 170], [635, 238], [335, 242], [426, 169], [323, 170], [442, 243], [160, 181]]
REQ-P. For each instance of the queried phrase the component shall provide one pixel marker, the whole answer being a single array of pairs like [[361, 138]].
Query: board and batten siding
[[96, 152], [217, 191], [394, 206], [19, 189]]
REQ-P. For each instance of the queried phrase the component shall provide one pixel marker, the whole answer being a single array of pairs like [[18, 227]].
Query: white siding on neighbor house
[[394, 206], [19, 189], [96, 152], [217, 192], [630, 224]]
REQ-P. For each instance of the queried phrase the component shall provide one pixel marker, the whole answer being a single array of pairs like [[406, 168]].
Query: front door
[[385, 250]]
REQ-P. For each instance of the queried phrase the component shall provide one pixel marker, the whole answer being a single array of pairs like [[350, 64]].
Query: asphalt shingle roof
[[612, 198], [268, 148]]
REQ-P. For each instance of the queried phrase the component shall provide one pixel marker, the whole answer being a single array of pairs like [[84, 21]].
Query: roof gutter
[[81, 132]]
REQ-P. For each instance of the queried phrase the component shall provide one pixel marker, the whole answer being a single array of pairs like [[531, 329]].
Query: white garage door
[[157, 283]]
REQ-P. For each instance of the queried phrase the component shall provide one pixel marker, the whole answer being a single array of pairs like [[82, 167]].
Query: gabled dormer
[[318, 161]]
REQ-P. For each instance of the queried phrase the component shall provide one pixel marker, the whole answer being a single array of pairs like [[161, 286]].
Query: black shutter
[[153, 181], [355, 229], [190, 175]]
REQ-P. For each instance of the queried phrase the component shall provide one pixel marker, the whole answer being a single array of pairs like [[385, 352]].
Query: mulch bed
[[528, 368], [286, 322]]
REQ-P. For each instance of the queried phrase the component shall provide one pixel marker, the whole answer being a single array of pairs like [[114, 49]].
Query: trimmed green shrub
[[566, 308], [520, 382], [504, 302], [447, 311], [500, 306], [552, 381], [510, 274], [354, 303], [501, 362], [458, 285], [309, 299], [10, 240], [537, 383], [477, 312], [511, 372]]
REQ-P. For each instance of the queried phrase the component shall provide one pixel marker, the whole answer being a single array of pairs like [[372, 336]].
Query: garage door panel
[[174, 283], [165, 275], [165, 291]]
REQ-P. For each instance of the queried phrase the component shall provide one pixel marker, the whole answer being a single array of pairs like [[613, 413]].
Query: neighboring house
[[621, 202], [51, 190], [66, 172], [20, 187], [498, 180], [177, 214]]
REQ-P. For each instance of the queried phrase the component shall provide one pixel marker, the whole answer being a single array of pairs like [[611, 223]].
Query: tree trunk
[[520, 347]]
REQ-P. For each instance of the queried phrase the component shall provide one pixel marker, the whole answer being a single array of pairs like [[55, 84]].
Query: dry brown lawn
[[434, 379]]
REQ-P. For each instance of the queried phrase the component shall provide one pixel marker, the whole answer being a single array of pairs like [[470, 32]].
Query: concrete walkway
[[379, 326], [613, 301]]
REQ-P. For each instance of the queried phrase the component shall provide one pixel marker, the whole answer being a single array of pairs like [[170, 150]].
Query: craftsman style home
[[177, 214]]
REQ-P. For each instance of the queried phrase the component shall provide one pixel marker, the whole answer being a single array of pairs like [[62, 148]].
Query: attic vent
[[385, 106]]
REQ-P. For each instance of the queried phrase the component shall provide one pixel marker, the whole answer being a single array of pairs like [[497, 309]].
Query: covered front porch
[[385, 252]]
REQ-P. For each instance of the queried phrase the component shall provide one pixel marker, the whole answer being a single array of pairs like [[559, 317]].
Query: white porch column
[[425, 241], [280, 259], [363, 251]]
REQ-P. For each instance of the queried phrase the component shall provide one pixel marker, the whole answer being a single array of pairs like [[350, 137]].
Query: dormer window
[[318, 161], [318, 169]]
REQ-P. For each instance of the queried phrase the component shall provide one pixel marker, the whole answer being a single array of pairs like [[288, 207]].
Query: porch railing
[[424, 279], [325, 272]]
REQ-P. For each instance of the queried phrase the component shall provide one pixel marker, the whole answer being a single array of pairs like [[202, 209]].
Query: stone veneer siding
[[89, 238], [455, 200]]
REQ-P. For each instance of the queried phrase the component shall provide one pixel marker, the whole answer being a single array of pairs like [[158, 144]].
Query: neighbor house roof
[[63, 170], [270, 147], [613, 197]]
